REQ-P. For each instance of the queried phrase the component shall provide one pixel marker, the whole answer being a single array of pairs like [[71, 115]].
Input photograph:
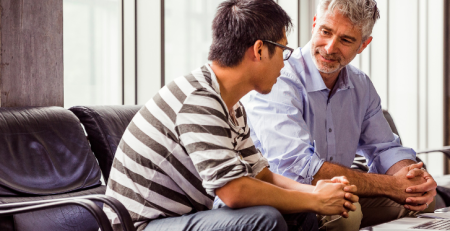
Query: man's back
[[153, 172]]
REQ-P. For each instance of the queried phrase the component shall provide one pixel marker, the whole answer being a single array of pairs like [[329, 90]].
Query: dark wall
[[447, 79], [31, 57]]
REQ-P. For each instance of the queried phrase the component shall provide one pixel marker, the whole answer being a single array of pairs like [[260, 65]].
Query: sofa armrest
[[119, 208], [99, 215], [445, 150]]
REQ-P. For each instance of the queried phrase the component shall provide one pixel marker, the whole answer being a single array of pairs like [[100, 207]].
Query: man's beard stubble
[[327, 67]]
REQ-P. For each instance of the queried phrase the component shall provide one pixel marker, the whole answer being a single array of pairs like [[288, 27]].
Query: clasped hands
[[419, 185], [336, 196]]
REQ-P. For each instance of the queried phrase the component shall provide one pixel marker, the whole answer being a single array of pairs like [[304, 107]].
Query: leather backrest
[[391, 122], [43, 151], [105, 126]]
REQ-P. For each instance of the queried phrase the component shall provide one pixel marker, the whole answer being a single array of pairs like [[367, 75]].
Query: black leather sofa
[[106, 124], [49, 178]]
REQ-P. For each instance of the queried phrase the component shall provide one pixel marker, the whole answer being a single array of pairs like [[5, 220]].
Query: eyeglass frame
[[282, 46]]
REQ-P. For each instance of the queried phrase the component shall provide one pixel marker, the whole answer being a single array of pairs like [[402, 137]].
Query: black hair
[[238, 24]]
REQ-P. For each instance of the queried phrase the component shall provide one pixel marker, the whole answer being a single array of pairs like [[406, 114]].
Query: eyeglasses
[[287, 51]]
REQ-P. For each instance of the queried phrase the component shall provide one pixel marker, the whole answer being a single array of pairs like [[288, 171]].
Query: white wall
[[405, 63], [148, 49], [92, 52]]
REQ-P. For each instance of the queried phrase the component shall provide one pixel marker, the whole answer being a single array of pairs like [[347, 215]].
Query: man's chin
[[328, 70], [264, 91]]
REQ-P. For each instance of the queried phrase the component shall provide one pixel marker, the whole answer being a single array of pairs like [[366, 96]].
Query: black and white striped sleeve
[[251, 154], [204, 132]]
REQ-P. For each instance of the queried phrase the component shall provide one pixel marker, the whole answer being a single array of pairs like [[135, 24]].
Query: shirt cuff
[[306, 173], [230, 173], [386, 159], [306, 168], [259, 166]]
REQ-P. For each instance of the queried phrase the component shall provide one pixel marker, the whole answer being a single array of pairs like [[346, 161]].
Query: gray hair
[[362, 13]]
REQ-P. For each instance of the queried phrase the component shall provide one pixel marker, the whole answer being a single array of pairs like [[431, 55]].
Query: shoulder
[[204, 102], [294, 68], [358, 78]]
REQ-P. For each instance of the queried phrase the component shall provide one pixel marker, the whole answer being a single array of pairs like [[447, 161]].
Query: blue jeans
[[258, 218]]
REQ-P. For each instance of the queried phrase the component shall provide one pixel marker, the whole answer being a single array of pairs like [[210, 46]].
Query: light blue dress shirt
[[298, 127]]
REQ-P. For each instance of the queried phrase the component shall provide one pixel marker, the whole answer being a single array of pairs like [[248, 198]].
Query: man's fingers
[[351, 197], [422, 188], [416, 165], [416, 208], [414, 172], [340, 179], [348, 205], [351, 189], [426, 198], [417, 200], [344, 214]]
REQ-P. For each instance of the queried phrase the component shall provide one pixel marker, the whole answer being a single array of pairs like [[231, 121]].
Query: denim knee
[[270, 219]]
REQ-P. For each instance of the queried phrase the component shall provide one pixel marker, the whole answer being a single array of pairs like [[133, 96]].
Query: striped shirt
[[181, 146]]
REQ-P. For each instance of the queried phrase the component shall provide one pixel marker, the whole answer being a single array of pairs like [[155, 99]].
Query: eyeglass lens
[[286, 54]]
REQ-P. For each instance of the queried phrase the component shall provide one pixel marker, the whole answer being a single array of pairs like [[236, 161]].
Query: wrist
[[391, 188], [313, 202]]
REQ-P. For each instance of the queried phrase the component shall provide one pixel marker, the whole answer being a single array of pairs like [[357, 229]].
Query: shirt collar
[[315, 82], [214, 82]]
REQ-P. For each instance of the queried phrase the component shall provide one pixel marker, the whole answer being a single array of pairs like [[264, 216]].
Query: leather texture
[[44, 151], [45, 154], [69, 217], [105, 126], [391, 123]]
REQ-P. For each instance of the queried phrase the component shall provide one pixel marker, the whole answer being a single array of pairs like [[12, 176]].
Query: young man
[[322, 111], [191, 141]]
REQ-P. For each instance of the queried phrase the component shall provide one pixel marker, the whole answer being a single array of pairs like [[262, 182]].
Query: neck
[[330, 79], [232, 83]]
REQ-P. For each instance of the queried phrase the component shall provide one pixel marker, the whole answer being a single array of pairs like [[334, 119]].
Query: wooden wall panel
[[31, 58]]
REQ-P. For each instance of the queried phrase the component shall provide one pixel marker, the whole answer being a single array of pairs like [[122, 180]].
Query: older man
[[322, 111]]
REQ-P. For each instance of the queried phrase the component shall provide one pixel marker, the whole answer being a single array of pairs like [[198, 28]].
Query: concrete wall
[[31, 58]]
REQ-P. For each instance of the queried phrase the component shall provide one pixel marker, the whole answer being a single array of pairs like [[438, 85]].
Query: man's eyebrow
[[353, 39], [325, 27]]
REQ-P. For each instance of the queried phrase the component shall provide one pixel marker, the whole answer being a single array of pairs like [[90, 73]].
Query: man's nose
[[331, 46]]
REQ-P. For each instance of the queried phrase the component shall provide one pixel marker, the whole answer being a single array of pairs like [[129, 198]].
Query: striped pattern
[[179, 148]]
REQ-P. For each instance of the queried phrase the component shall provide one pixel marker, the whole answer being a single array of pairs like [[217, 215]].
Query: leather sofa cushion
[[44, 151], [105, 126]]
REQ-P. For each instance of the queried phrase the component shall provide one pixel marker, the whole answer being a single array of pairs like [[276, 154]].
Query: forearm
[[368, 184], [246, 191], [399, 165], [283, 182]]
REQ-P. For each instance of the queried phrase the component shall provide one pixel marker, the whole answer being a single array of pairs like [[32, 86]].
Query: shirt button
[[330, 130]]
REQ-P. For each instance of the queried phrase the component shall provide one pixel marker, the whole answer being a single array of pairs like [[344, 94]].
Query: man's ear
[[365, 44], [257, 49], [314, 24]]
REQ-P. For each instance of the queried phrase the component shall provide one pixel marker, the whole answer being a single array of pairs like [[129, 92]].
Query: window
[[168, 38], [92, 52]]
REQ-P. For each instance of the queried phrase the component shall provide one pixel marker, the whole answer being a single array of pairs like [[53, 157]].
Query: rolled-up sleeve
[[377, 143], [280, 132]]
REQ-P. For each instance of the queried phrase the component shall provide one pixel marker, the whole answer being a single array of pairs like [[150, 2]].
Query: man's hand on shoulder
[[426, 190]]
